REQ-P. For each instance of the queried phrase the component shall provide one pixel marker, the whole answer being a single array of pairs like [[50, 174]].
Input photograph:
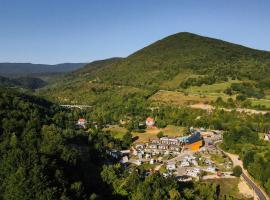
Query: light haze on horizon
[[58, 31]]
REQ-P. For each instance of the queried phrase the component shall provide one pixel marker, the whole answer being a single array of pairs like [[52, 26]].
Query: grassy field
[[175, 82], [117, 131], [170, 130], [216, 89], [262, 102], [228, 187], [179, 98]]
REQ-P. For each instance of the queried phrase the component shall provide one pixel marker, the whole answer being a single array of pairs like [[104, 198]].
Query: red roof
[[149, 119], [82, 120]]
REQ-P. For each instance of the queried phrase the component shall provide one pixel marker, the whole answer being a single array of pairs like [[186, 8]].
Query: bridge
[[76, 106]]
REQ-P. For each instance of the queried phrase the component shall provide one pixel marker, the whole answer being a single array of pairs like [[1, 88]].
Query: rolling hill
[[22, 82]]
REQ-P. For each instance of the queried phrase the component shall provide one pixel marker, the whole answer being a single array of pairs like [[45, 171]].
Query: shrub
[[237, 171]]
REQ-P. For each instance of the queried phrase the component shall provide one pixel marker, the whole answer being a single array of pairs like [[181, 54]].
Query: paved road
[[259, 192]]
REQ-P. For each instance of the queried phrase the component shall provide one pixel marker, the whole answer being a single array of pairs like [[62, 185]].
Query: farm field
[[176, 98], [216, 89], [179, 98], [262, 102]]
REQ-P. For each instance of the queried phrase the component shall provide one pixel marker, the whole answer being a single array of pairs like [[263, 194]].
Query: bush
[[237, 171], [160, 134]]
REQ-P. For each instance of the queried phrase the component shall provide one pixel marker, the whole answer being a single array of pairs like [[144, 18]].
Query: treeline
[[199, 81], [246, 89]]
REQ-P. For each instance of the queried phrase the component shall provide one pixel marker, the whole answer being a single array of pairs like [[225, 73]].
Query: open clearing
[[228, 187], [176, 98], [170, 130], [179, 98], [175, 82], [244, 189], [215, 89], [117, 131]]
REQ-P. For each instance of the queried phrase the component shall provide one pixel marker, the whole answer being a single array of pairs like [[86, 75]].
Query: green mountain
[[166, 58], [177, 62]]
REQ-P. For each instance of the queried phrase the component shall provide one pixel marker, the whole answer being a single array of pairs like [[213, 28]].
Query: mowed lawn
[[150, 133]]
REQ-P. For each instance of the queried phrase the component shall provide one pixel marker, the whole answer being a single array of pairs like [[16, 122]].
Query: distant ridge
[[28, 69]]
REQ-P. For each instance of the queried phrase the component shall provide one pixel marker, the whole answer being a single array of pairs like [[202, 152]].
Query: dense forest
[[44, 155]]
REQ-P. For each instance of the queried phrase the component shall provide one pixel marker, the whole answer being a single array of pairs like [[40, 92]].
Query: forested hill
[[38, 154], [22, 82], [166, 58], [26, 69]]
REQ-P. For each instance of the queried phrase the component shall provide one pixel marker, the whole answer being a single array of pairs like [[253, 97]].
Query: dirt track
[[241, 110]]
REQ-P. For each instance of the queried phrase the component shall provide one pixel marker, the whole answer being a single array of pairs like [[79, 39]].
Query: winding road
[[256, 188]]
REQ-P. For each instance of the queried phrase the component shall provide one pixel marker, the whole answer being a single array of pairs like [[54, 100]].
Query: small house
[[267, 136], [163, 147], [124, 160], [81, 122], [152, 146], [140, 146], [171, 166], [170, 141], [150, 122], [174, 148], [152, 161]]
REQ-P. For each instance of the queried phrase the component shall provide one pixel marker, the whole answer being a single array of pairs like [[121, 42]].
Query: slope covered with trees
[[42, 155], [177, 62], [168, 57]]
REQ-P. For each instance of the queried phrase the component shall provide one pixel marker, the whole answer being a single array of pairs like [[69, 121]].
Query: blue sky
[[56, 31]]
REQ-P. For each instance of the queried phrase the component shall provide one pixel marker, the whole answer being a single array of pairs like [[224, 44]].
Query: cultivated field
[[179, 98]]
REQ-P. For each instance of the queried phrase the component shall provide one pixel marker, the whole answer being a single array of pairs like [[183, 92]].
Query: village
[[185, 154], [191, 157]]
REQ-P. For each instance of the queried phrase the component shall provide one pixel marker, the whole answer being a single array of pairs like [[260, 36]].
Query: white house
[[81, 122], [267, 136]]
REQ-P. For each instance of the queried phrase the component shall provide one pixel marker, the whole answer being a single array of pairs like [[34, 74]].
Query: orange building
[[194, 142], [194, 146]]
